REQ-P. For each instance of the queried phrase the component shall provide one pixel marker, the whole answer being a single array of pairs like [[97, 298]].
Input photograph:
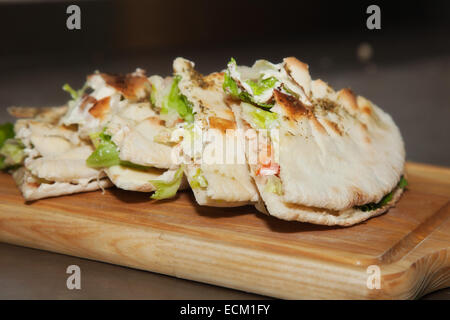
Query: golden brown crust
[[293, 63], [293, 107], [299, 72], [319, 127], [333, 126], [348, 99], [221, 124], [100, 108], [367, 110], [129, 85]]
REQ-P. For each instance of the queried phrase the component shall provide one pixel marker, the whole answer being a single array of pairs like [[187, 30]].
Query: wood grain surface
[[242, 249]]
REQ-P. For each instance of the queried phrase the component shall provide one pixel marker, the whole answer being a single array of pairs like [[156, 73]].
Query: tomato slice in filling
[[267, 165]]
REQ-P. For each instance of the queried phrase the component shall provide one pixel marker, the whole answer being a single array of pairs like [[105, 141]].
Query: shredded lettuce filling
[[106, 153], [134, 166], [258, 87], [385, 200], [198, 180], [6, 132], [167, 189], [11, 150], [261, 118], [230, 86], [262, 85], [176, 103], [12, 154], [273, 185]]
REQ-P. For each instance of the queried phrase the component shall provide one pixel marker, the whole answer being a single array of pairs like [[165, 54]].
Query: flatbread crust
[[348, 152], [55, 161], [137, 180], [45, 114], [121, 103], [229, 184], [32, 189], [294, 212]]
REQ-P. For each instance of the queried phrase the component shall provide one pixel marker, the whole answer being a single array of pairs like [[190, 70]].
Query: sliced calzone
[[316, 155], [214, 160], [116, 113], [48, 159]]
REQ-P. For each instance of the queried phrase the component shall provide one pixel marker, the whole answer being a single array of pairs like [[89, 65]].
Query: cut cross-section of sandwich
[[323, 156], [48, 159], [209, 147], [116, 113]]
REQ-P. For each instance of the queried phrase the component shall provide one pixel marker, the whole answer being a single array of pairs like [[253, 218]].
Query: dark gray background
[[408, 75]]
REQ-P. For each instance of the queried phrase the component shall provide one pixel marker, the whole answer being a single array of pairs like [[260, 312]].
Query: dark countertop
[[414, 89]]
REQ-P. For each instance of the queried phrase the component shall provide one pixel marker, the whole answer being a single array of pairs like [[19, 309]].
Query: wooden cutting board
[[242, 249]]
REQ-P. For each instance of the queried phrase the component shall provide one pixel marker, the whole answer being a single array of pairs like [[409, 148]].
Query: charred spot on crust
[[214, 77], [100, 108], [196, 77], [294, 108], [326, 104], [229, 100], [348, 98], [131, 86], [317, 124], [333, 126], [367, 110]]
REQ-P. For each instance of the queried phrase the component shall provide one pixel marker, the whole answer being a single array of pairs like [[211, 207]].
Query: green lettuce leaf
[[385, 200], [153, 95], [11, 154], [176, 102], [134, 166], [75, 94], [403, 183], [164, 189], [258, 87], [6, 132], [261, 118], [198, 180], [273, 185], [105, 154], [230, 87]]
